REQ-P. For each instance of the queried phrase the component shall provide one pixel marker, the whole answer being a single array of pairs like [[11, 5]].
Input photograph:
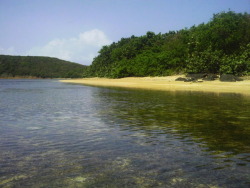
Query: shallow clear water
[[54, 134]]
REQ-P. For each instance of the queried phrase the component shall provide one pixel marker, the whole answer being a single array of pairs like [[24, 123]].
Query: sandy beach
[[167, 83]]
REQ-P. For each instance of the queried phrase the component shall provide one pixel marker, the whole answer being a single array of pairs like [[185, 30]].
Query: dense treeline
[[221, 46], [40, 67]]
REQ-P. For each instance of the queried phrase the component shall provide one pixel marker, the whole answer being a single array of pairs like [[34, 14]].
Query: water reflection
[[62, 135], [220, 123], [190, 136]]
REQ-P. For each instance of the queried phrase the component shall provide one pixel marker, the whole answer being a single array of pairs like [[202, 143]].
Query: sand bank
[[168, 84]]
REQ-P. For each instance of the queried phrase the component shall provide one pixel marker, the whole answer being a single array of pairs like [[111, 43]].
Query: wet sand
[[167, 83]]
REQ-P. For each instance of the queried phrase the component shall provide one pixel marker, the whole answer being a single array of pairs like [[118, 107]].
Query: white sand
[[167, 83]]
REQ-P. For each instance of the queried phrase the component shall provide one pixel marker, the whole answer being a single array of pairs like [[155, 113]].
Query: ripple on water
[[34, 128], [77, 136]]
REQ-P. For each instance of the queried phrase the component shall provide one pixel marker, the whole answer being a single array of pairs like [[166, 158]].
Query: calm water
[[54, 134]]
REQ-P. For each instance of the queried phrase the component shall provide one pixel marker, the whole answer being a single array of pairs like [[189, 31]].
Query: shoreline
[[167, 83], [20, 77]]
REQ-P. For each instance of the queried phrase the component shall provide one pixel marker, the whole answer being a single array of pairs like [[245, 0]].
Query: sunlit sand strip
[[168, 84]]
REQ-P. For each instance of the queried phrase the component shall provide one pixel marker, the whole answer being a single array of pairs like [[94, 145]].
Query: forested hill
[[220, 46], [40, 67]]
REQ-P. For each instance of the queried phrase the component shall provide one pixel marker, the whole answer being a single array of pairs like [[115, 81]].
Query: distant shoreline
[[167, 83], [29, 77], [20, 77]]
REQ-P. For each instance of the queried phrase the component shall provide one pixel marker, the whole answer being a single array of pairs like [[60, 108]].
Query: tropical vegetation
[[221, 46], [40, 67]]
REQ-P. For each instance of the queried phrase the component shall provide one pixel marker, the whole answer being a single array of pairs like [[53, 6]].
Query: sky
[[75, 30]]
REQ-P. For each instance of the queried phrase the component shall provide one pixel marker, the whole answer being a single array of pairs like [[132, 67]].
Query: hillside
[[40, 67], [221, 46]]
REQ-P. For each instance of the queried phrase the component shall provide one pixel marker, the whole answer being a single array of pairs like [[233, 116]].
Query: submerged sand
[[168, 83]]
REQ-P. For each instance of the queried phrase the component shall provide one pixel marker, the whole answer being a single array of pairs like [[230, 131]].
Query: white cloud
[[7, 51], [80, 49]]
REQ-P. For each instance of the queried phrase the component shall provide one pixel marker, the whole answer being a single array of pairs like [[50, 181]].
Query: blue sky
[[75, 30]]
